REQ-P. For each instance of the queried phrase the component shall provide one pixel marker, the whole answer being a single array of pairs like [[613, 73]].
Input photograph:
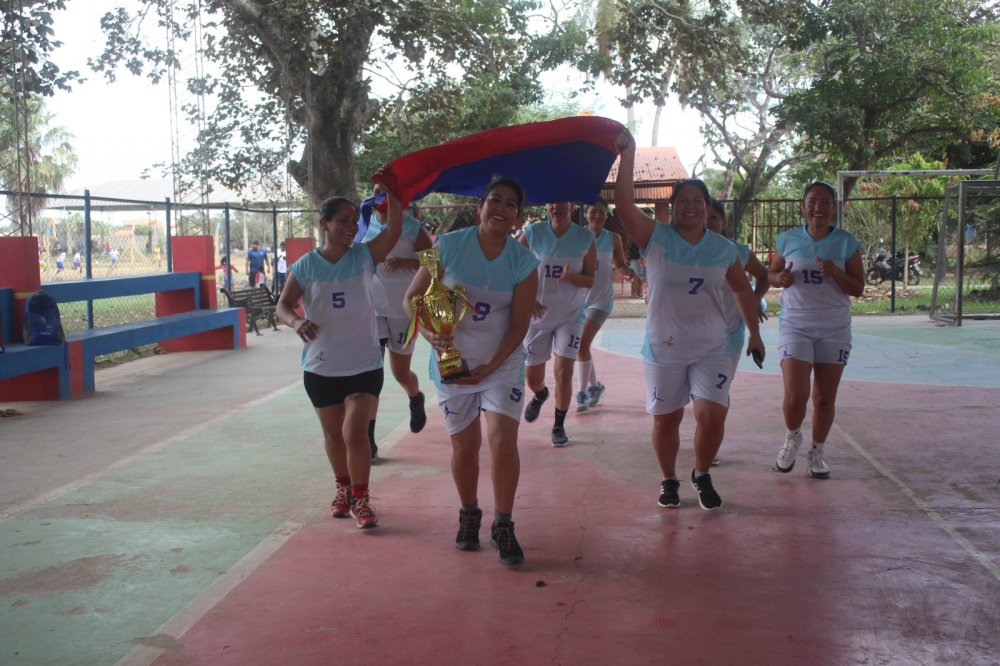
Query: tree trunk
[[335, 109], [659, 107]]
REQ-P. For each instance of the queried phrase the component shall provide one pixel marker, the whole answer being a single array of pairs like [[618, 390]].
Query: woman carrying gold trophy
[[499, 280]]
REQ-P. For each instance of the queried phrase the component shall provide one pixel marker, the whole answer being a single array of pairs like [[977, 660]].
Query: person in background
[[567, 257], [256, 261], [280, 268], [76, 262], [392, 278], [600, 302], [715, 220], [60, 262], [634, 256], [226, 277]]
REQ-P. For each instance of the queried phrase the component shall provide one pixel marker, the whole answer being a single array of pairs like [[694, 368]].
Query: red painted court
[[891, 561]]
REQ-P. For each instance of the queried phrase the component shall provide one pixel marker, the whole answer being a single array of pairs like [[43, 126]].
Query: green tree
[[890, 72], [27, 42], [308, 66], [51, 157]]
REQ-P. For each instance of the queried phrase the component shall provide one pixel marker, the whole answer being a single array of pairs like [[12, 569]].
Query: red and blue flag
[[559, 160]]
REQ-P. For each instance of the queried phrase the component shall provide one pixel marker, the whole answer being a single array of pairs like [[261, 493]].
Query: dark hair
[[819, 183], [600, 200], [331, 207], [719, 206], [503, 181], [690, 181]]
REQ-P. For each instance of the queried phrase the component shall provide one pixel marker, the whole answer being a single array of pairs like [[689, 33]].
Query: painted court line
[[195, 609], [188, 616], [923, 506], [18, 509]]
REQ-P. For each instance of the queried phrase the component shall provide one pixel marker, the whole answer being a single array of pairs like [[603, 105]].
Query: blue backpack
[[42, 325]]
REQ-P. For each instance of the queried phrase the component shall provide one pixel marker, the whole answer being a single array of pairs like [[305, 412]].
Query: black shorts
[[330, 391]]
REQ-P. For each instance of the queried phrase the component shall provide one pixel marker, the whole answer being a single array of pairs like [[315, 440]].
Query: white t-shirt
[[338, 299], [686, 318], [814, 304], [564, 302], [281, 266], [602, 294], [390, 287], [489, 286]]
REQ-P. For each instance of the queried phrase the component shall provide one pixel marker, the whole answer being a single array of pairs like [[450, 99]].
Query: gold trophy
[[440, 309]]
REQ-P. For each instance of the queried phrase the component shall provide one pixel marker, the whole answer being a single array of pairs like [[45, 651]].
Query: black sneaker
[[707, 497], [559, 437], [468, 529], [508, 550], [535, 405], [669, 496], [418, 417]]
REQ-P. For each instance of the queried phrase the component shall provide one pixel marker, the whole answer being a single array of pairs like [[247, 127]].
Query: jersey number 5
[[338, 300]]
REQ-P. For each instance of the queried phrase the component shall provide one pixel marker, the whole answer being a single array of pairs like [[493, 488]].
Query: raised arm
[[638, 225], [382, 245]]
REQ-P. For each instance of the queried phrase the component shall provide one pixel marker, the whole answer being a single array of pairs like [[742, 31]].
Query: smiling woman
[[500, 281], [341, 360], [686, 355]]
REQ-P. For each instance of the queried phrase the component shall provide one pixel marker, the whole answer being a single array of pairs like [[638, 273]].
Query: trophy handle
[[460, 302]]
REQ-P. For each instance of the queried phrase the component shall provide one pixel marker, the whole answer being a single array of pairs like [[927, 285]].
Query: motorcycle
[[880, 271]]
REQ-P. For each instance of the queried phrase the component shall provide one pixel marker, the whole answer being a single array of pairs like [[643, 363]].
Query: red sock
[[360, 490], [343, 480]]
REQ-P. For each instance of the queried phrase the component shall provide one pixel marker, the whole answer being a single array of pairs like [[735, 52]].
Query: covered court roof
[[657, 168]]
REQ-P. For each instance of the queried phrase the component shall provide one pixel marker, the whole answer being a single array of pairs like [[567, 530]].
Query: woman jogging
[[686, 355], [341, 360], [818, 267], [500, 281]]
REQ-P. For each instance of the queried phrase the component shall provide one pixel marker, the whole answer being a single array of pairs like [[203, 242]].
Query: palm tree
[[46, 153]]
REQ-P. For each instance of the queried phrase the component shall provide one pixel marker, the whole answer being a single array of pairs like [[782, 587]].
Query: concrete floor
[[179, 516]]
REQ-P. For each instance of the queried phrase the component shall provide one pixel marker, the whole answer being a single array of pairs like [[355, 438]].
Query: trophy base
[[452, 371]]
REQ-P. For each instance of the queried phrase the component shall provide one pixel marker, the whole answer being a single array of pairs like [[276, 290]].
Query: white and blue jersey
[[687, 313], [489, 286], [734, 320], [564, 302], [814, 305], [389, 288], [338, 298], [602, 295]]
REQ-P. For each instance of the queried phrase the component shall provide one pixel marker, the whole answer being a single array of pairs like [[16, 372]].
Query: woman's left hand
[[826, 267], [756, 343]]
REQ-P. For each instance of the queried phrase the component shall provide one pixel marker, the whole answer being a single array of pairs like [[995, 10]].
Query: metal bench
[[259, 303]]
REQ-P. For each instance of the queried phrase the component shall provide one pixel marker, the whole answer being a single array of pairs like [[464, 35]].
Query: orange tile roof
[[656, 169]]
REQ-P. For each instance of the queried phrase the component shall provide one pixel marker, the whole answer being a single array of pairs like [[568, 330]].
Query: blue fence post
[[229, 259], [170, 261], [88, 249], [892, 262]]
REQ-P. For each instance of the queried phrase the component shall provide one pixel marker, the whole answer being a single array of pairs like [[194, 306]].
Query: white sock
[[593, 374], [795, 433], [818, 445], [698, 474], [670, 478], [583, 369]]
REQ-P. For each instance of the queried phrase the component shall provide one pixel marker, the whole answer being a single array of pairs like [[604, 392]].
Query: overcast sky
[[123, 128]]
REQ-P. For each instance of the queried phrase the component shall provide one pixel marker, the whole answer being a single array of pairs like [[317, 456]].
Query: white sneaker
[[786, 456], [817, 466]]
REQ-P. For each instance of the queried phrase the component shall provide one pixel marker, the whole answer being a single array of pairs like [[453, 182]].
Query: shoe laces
[[816, 456], [504, 536], [343, 495], [468, 523], [363, 507]]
